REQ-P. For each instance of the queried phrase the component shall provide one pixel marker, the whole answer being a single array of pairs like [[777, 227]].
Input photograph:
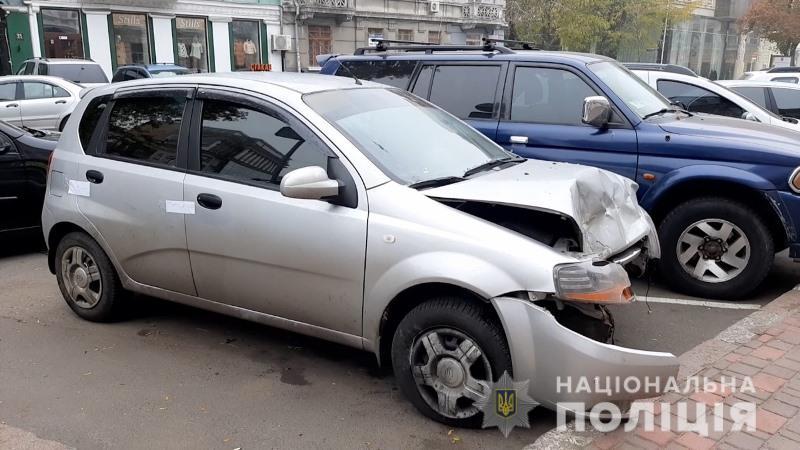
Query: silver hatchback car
[[356, 213]]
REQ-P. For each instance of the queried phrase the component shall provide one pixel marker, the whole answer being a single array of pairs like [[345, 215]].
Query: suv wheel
[[444, 353], [715, 247], [87, 278]]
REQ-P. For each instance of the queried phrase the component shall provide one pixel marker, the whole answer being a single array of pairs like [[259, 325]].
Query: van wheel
[[63, 123], [87, 278], [715, 247], [444, 354]]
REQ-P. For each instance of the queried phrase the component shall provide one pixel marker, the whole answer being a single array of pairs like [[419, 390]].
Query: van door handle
[[60, 102], [518, 140], [12, 105], [94, 176], [209, 201]]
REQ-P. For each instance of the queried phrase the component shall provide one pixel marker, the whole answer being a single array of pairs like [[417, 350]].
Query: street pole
[[664, 37]]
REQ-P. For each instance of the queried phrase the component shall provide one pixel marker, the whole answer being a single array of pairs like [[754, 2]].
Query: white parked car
[[782, 99], [776, 74], [40, 102], [701, 95]]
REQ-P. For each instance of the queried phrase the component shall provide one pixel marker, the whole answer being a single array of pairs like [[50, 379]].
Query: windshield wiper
[[658, 113], [435, 182], [34, 131], [491, 164]]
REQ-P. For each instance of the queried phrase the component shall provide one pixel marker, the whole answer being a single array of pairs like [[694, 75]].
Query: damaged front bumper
[[560, 364]]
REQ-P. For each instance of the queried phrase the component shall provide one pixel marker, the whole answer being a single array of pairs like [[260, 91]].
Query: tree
[[776, 20], [534, 21]]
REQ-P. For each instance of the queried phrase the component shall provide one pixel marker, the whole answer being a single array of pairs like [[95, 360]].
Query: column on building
[[97, 33], [220, 32]]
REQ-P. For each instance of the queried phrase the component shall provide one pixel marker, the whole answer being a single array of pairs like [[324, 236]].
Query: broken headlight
[[592, 282]]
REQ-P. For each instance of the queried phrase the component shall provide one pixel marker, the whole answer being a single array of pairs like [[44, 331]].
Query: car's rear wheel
[[715, 247], [87, 279], [445, 352]]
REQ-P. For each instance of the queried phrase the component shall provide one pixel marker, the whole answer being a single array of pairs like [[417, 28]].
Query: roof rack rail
[[523, 45], [428, 47]]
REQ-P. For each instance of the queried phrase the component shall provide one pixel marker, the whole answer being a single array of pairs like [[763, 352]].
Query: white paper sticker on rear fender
[[79, 188], [179, 207]]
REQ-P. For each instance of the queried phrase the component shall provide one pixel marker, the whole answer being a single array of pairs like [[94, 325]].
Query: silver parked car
[[40, 102], [356, 213]]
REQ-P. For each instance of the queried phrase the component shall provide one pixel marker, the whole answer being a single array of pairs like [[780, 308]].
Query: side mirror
[[310, 183], [750, 116], [596, 111]]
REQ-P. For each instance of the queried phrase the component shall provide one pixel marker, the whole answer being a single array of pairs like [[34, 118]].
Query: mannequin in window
[[196, 53], [250, 52], [123, 51], [183, 55], [238, 54]]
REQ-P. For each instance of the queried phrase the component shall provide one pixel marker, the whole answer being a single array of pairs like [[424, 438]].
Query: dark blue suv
[[723, 191]]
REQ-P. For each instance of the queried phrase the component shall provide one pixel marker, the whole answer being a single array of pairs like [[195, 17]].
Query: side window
[[551, 96], [119, 75], [8, 92], [42, 69], [788, 102], [423, 82], [392, 73], [466, 91], [697, 99], [29, 67], [33, 91], [134, 74], [7, 144], [146, 128], [785, 80], [90, 117], [59, 92], [757, 95], [243, 144]]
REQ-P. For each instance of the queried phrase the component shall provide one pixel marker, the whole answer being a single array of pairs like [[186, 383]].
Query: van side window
[[146, 128], [243, 144], [90, 117], [550, 96], [466, 91], [697, 99], [392, 73]]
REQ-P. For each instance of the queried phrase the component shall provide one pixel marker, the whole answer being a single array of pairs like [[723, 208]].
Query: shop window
[[435, 37], [319, 42], [130, 36], [191, 43], [62, 33], [405, 35], [246, 44]]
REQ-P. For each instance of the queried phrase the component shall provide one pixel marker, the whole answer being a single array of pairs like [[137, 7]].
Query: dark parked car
[[724, 192], [138, 71], [24, 154]]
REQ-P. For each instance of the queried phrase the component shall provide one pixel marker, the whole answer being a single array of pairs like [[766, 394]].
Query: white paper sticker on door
[[80, 188], [180, 207]]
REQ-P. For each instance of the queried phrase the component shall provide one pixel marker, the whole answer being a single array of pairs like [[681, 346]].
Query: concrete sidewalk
[[765, 347]]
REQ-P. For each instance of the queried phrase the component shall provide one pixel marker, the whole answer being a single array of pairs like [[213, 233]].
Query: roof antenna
[[358, 82]]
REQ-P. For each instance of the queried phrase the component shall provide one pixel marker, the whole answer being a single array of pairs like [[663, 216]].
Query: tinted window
[[79, 73], [90, 117], [8, 92], [423, 82], [33, 91], [786, 79], [548, 96], [29, 67], [42, 69], [134, 74], [393, 73], [788, 102], [243, 144], [697, 99], [466, 91], [756, 94], [119, 75], [146, 128]]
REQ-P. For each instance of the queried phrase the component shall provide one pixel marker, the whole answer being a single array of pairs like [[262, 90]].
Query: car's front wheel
[[715, 247], [87, 279], [445, 353]]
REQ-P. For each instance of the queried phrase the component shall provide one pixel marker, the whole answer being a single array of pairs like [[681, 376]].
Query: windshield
[[639, 97], [408, 138], [78, 73]]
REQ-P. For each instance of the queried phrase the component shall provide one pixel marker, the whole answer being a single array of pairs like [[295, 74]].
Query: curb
[[692, 362]]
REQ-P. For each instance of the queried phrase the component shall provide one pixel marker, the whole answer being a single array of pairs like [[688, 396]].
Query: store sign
[[128, 20], [185, 23], [261, 67], [20, 37]]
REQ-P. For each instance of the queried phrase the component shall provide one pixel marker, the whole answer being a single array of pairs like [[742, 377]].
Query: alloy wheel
[[451, 372], [713, 250]]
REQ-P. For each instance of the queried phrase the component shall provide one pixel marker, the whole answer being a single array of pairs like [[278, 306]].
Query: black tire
[[761, 248], [63, 123], [110, 300], [460, 314]]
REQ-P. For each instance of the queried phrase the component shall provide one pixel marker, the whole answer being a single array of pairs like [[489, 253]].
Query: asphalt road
[[176, 377]]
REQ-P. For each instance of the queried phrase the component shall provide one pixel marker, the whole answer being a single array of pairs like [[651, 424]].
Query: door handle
[[94, 176], [518, 139], [209, 201], [12, 105], [61, 102]]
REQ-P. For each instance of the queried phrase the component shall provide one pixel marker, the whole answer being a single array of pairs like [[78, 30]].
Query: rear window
[[169, 72], [392, 73], [78, 73], [90, 118]]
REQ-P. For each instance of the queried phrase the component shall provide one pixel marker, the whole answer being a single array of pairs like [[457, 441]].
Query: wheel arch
[[747, 189], [57, 232]]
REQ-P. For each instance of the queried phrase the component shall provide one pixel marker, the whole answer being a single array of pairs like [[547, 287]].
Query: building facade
[[232, 35]]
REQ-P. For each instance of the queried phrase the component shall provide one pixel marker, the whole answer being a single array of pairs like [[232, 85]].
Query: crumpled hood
[[603, 204]]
